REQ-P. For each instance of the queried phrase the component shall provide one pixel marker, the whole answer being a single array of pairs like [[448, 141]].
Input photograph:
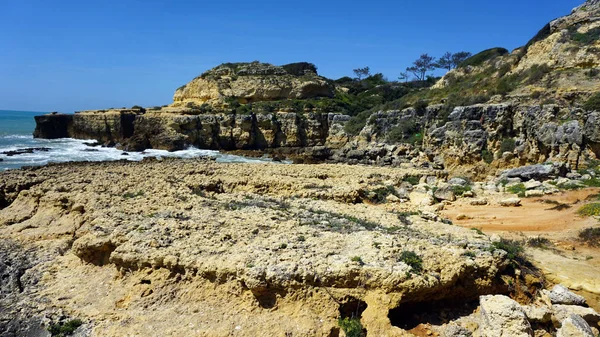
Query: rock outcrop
[[253, 82], [281, 248]]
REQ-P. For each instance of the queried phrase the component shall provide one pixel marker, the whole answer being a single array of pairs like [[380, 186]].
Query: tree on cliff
[[450, 61], [421, 66], [362, 72], [404, 76]]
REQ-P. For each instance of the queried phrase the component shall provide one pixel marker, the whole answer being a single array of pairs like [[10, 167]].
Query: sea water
[[16, 132]]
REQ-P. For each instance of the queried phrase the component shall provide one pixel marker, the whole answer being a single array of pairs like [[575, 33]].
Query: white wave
[[17, 136], [68, 150]]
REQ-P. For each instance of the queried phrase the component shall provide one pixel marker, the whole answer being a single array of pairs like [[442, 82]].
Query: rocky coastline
[[417, 216]]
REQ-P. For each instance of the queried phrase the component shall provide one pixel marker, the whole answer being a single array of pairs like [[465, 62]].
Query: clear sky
[[72, 55]]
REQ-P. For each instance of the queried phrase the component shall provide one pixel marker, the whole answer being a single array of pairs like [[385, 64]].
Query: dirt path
[[567, 260]]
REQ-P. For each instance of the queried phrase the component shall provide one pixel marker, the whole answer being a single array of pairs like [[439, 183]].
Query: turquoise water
[[16, 132]]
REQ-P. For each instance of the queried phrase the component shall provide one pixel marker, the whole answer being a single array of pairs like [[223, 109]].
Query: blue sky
[[72, 55]]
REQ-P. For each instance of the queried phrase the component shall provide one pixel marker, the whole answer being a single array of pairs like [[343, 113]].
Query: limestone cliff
[[253, 82], [560, 65]]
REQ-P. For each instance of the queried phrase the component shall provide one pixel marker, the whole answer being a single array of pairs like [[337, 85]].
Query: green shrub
[[64, 329], [351, 327], [591, 236], [406, 131], [357, 259], [412, 259], [480, 58], [478, 231], [586, 38], [507, 84], [300, 68], [593, 103], [420, 106], [142, 109], [518, 189], [593, 182], [507, 145], [412, 180], [460, 190], [592, 209], [357, 123], [514, 249], [537, 72], [487, 156], [539, 242]]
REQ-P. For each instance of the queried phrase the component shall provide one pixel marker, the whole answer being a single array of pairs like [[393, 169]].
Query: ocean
[[16, 132]]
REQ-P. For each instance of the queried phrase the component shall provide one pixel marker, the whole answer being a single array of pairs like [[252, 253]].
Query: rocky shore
[[403, 215], [244, 249]]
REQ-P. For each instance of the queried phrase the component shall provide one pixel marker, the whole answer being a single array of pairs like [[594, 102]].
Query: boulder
[[535, 172], [539, 314], [532, 184], [458, 181], [503, 317], [574, 326], [534, 193], [479, 202], [444, 193], [562, 312], [562, 295], [421, 199], [510, 202]]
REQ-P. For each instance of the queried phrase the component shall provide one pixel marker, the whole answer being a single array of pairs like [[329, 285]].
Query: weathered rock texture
[[561, 62], [131, 248], [253, 82]]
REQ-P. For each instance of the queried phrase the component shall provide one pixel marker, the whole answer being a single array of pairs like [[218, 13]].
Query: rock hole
[[98, 255], [266, 299], [409, 316], [146, 282], [351, 307]]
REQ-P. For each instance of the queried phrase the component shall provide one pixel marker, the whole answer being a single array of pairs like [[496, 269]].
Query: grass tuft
[[412, 259]]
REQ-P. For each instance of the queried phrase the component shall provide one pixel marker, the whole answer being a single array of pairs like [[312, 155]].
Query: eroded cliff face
[[487, 136]]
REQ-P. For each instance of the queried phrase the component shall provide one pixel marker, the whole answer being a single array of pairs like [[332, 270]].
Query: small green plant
[[64, 329], [593, 182], [591, 236], [478, 231], [592, 209], [487, 156], [412, 180], [507, 145], [283, 246], [586, 38], [469, 253], [130, 195], [460, 190], [513, 248], [593, 103], [357, 259], [518, 189], [412, 259], [352, 327], [377, 245], [301, 238], [539, 242]]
